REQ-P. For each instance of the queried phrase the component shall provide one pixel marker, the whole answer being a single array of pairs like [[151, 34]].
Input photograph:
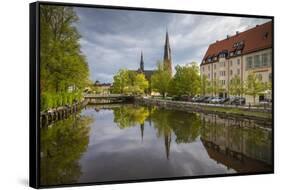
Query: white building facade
[[239, 55]]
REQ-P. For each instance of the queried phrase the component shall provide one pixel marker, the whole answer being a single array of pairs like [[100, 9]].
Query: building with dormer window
[[240, 54]]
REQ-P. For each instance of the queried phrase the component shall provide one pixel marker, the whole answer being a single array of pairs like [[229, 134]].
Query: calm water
[[135, 142]]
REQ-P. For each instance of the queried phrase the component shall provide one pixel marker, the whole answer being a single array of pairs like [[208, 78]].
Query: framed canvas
[[126, 94]]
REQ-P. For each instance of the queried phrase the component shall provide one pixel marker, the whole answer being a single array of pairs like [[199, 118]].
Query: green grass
[[239, 111]]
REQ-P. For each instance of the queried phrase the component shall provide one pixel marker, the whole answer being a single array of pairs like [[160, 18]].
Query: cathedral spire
[[141, 63], [167, 54]]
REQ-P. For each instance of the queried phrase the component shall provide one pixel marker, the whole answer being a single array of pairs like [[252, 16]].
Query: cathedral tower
[[141, 64], [167, 55]]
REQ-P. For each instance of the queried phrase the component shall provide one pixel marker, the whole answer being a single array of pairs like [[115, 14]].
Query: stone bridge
[[108, 98]]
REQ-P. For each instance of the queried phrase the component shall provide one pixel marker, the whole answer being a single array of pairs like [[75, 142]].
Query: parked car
[[238, 101], [201, 99], [185, 98], [176, 98], [216, 100], [224, 100], [195, 98], [208, 100]]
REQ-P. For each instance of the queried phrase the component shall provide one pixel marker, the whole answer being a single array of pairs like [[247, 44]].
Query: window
[[238, 52], [209, 75], [257, 61], [264, 58], [208, 67], [238, 61], [215, 75], [231, 72], [222, 73], [231, 53], [249, 62], [222, 55], [270, 59], [238, 71], [230, 63]]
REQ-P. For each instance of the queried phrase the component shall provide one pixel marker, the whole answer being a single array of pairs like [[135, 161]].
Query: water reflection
[[62, 145], [135, 142], [241, 145]]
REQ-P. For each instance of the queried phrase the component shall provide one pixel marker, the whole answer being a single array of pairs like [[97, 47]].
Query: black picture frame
[[34, 91]]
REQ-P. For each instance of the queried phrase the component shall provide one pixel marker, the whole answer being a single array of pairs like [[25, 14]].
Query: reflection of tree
[[130, 115], [186, 126], [62, 144], [161, 122]]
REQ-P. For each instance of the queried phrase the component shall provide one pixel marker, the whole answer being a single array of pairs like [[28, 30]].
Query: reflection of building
[[168, 139], [142, 130], [241, 54], [235, 160], [244, 150]]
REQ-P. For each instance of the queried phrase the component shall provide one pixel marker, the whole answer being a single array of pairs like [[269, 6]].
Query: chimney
[[257, 25], [237, 32], [217, 41], [227, 36]]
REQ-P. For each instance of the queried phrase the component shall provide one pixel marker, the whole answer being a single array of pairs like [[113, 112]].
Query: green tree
[[209, 87], [62, 65], [120, 81], [236, 86], [160, 80], [129, 82], [141, 83], [186, 80], [216, 86], [254, 86], [204, 85]]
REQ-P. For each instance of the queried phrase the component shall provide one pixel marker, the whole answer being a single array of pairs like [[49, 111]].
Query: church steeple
[[141, 63], [167, 54]]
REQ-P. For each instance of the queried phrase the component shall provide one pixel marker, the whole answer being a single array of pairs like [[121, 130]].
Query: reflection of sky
[[113, 39], [120, 154]]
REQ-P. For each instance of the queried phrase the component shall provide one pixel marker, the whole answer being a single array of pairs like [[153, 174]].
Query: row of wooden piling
[[63, 112]]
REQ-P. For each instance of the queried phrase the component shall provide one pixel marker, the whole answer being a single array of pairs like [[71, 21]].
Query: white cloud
[[112, 40]]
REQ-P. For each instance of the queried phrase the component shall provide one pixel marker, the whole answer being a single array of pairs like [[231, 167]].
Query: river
[[129, 142]]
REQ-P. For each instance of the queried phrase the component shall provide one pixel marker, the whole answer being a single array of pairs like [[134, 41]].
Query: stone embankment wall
[[201, 107]]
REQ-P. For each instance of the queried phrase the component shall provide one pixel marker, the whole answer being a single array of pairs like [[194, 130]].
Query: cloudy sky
[[114, 39]]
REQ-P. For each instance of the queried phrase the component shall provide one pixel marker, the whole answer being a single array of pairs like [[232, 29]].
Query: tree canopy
[[254, 86], [160, 80], [186, 81], [129, 82], [236, 86], [63, 68]]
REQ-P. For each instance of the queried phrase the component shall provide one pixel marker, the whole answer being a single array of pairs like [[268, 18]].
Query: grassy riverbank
[[252, 113], [238, 111]]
